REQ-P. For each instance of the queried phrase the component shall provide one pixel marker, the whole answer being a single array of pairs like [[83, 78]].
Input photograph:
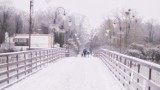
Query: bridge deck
[[71, 74]]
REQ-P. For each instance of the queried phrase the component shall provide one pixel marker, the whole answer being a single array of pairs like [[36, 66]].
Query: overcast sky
[[95, 10]]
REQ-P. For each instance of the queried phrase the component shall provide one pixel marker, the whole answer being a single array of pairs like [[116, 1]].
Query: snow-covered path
[[71, 74]]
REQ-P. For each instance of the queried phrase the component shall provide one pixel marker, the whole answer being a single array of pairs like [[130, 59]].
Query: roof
[[27, 35]]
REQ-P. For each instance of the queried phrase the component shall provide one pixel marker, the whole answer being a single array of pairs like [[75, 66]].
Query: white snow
[[74, 73]]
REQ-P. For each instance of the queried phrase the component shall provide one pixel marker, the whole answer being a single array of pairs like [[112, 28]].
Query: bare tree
[[4, 17], [150, 28], [18, 24], [125, 29], [157, 34], [127, 22]]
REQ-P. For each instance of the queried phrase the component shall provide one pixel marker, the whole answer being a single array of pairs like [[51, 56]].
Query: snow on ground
[[74, 73]]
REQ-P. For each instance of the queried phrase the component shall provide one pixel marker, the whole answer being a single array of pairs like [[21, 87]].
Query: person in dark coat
[[88, 53], [84, 52]]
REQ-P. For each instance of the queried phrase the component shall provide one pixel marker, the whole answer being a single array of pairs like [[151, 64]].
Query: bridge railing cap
[[140, 61], [23, 52]]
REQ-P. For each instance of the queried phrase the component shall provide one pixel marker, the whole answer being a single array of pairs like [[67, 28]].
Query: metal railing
[[132, 73], [16, 66]]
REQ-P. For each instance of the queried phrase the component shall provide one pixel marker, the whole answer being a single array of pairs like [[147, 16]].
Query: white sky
[[95, 10]]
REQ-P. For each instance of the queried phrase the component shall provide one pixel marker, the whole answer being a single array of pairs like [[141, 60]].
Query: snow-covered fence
[[131, 72], [18, 65]]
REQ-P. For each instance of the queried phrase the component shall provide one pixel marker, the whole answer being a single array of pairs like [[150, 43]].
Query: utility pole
[[30, 23]]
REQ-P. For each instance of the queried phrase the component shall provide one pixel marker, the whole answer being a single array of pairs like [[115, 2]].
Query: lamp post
[[77, 42], [108, 34], [51, 27], [30, 22], [120, 29], [67, 35], [128, 27]]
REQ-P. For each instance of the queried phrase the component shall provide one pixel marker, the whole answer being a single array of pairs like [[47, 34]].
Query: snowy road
[[71, 74]]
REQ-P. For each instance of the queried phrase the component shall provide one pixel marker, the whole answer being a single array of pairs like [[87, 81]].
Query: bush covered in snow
[[136, 50], [151, 53], [158, 46], [138, 47], [135, 53], [2, 50], [154, 54]]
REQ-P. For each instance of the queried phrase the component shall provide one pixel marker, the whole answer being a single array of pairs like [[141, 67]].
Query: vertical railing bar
[[31, 62], [7, 61], [17, 66], [125, 61], [47, 57], [40, 55], [36, 59], [138, 68], [150, 77], [52, 55], [25, 63], [150, 73], [44, 59]]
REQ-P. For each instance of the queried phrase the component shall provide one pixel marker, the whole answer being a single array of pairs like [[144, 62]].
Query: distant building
[[8, 43], [21, 41]]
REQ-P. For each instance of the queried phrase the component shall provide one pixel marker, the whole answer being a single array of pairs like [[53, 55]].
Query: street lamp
[[108, 34], [128, 27], [51, 29], [69, 23], [76, 41], [120, 29], [30, 23], [68, 31]]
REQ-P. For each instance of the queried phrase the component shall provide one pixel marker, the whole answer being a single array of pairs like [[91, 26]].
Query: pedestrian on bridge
[[84, 52], [88, 53]]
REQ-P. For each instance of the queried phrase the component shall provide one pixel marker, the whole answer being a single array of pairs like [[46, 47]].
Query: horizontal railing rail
[[16, 66], [133, 73]]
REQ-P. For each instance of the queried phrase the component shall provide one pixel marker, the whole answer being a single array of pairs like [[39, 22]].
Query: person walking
[[88, 53], [84, 52]]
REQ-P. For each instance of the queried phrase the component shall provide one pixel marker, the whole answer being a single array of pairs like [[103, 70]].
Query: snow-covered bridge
[[71, 74], [33, 70]]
